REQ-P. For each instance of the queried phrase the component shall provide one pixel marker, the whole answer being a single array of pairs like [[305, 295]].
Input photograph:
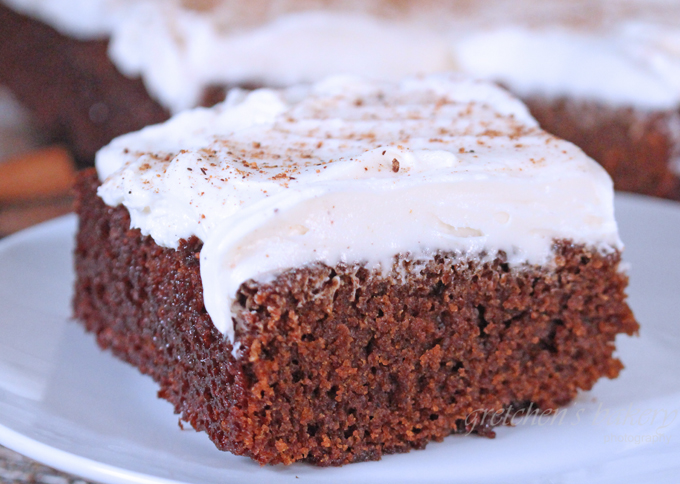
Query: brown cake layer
[[341, 364], [635, 147], [72, 88]]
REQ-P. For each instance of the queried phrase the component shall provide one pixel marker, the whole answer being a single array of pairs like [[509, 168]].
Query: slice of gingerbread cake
[[334, 272]]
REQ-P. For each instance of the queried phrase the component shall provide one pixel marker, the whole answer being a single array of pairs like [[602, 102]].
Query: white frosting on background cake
[[300, 47], [621, 52], [84, 19], [355, 171], [635, 64]]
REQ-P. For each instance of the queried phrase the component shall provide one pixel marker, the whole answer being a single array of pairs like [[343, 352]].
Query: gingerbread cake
[[600, 74], [335, 272], [75, 93]]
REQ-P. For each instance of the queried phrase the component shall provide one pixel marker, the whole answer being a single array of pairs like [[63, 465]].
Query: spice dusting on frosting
[[355, 171]]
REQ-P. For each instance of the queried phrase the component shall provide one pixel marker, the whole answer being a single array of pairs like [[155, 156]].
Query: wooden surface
[[35, 187]]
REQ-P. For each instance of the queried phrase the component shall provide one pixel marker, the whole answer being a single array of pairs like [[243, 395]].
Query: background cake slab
[[601, 74]]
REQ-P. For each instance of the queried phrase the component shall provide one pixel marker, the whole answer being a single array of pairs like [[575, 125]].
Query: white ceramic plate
[[67, 404]]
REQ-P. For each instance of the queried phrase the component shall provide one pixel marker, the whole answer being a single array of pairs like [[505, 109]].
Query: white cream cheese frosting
[[620, 52], [633, 65], [349, 170], [294, 48]]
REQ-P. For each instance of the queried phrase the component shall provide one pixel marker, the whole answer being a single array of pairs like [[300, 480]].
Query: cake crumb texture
[[342, 364]]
